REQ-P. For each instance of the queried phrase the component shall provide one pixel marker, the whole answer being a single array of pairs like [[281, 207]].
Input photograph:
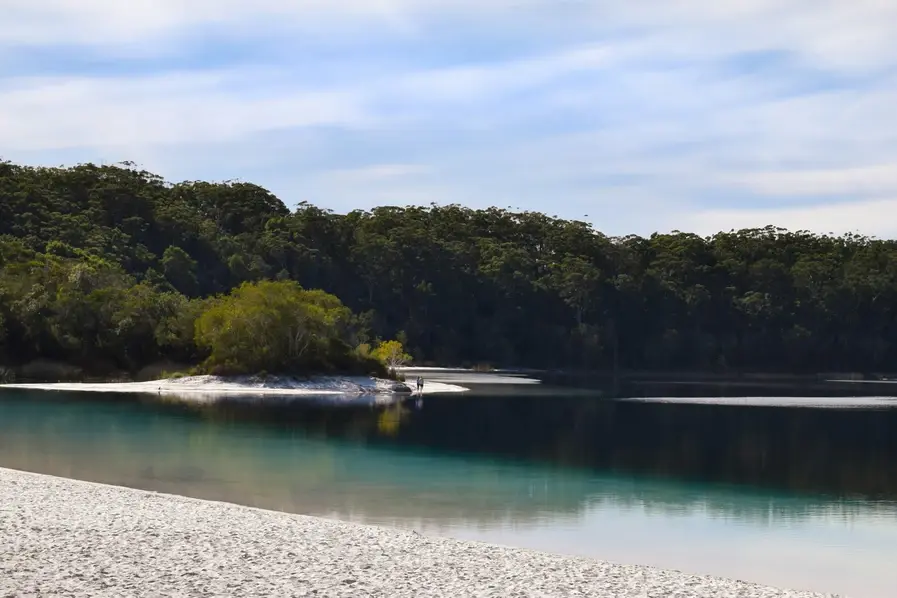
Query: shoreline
[[646, 378], [85, 539], [207, 387]]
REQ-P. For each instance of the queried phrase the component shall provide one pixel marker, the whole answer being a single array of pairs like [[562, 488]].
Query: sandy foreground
[[64, 537]]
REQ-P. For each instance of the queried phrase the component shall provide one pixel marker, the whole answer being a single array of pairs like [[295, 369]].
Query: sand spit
[[198, 386], [68, 538], [857, 402]]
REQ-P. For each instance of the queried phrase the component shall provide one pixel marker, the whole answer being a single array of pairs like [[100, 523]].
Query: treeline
[[98, 259]]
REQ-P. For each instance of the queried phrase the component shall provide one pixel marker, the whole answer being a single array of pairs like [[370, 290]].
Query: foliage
[[391, 354], [112, 265], [276, 326]]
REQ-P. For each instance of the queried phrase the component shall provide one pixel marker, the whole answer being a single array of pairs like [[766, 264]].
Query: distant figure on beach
[[420, 384]]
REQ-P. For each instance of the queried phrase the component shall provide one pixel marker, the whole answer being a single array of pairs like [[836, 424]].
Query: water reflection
[[842, 453], [285, 467], [801, 498]]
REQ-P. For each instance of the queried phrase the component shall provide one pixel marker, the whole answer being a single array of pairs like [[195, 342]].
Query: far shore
[[52, 375], [671, 376], [213, 386]]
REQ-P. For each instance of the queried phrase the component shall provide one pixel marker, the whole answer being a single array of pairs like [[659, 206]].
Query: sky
[[641, 116]]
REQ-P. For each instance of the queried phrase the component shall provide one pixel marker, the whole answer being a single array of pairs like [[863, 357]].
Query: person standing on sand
[[420, 384]]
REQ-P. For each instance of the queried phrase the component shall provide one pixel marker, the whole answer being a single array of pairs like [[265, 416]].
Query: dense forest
[[113, 268]]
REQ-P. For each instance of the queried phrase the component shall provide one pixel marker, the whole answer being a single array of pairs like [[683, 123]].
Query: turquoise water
[[800, 498]]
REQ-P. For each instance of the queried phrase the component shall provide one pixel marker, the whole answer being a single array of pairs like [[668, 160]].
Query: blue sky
[[639, 116]]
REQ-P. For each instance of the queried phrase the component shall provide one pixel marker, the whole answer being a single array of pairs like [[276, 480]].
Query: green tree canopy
[[273, 326], [391, 354]]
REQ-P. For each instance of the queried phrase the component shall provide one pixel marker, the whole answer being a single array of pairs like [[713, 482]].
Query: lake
[[800, 497]]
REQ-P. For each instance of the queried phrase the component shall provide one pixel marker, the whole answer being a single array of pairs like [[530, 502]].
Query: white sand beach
[[856, 402], [198, 387], [70, 538]]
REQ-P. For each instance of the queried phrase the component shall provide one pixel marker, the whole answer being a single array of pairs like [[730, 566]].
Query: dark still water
[[796, 497]]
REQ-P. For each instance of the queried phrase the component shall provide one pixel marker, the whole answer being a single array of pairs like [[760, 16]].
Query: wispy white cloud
[[109, 22], [863, 181], [858, 34], [377, 172], [466, 83], [61, 112], [183, 106], [869, 217]]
